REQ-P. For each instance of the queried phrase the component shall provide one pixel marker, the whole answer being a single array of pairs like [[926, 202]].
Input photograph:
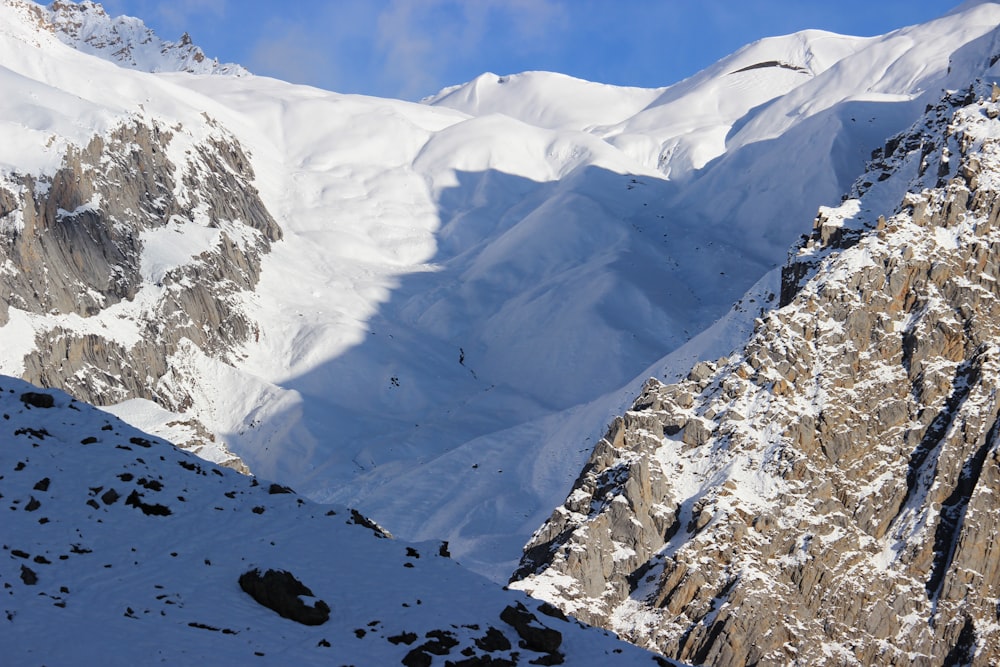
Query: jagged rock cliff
[[827, 495], [134, 249], [124, 40]]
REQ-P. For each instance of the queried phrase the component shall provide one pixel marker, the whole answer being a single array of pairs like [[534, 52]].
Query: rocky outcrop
[[75, 248], [281, 592], [828, 495], [125, 40]]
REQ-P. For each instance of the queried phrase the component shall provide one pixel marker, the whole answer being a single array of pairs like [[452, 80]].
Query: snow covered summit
[[124, 40]]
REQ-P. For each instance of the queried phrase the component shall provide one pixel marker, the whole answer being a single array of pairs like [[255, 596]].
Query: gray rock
[[835, 488], [78, 250]]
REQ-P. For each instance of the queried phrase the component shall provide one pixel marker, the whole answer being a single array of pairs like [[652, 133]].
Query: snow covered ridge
[[461, 298], [138, 552], [828, 494], [123, 40]]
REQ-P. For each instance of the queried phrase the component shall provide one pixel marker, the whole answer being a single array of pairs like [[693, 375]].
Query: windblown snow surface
[[470, 287], [119, 549]]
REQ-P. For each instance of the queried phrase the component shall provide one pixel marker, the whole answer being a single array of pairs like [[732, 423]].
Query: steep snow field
[[469, 288], [119, 549]]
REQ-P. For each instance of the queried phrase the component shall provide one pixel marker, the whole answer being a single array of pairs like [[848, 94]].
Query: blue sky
[[412, 48]]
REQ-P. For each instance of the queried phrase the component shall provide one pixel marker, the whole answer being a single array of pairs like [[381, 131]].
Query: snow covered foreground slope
[[119, 549], [463, 296]]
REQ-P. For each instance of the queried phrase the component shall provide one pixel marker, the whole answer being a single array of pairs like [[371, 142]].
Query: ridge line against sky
[[413, 48]]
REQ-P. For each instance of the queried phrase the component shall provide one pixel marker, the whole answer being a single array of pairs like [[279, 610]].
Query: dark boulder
[[279, 591], [536, 637], [493, 640], [28, 576], [37, 400]]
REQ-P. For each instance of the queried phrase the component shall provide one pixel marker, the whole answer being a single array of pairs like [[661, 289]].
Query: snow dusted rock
[[107, 232], [828, 495], [125, 40], [134, 551]]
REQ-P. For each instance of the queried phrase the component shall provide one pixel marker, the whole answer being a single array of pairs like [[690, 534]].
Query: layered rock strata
[[829, 494], [89, 258]]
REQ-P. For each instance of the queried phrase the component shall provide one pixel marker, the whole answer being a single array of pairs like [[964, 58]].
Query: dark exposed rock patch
[[360, 519], [772, 63], [37, 399], [149, 509], [403, 638], [280, 591], [110, 497], [493, 641], [28, 576], [481, 661], [440, 643], [535, 636]]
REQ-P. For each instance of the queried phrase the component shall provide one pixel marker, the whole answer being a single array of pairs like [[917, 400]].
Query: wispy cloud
[[183, 14], [290, 52], [419, 41], [326, 45], [402, 48], [412, 48], [177, 16]]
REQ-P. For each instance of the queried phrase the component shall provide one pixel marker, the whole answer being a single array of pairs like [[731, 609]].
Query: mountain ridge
[[126, 41], [824, 494], [416, 238], [430, 311]]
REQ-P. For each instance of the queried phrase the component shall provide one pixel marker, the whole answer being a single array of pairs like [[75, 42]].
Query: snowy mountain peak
[[123, 40]]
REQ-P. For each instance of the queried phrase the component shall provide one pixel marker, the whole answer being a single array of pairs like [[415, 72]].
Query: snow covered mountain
[[125, 40], [828, 494], [429, 311], [119, 549]]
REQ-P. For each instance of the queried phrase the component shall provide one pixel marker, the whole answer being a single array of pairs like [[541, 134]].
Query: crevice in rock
[[953, 513], [964, 650], [966, 376]]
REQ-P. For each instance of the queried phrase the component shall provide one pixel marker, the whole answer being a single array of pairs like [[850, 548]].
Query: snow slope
[[676, 129], [467, 288], [119, 549]]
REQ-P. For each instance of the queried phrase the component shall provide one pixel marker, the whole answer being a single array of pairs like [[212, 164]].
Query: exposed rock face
[[282, 592], [125, 40], [74, 249], [828, 496]]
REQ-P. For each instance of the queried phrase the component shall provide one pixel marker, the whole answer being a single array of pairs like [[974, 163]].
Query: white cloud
[[419, 39], [183, 14], [290, 52], [175, 16]]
